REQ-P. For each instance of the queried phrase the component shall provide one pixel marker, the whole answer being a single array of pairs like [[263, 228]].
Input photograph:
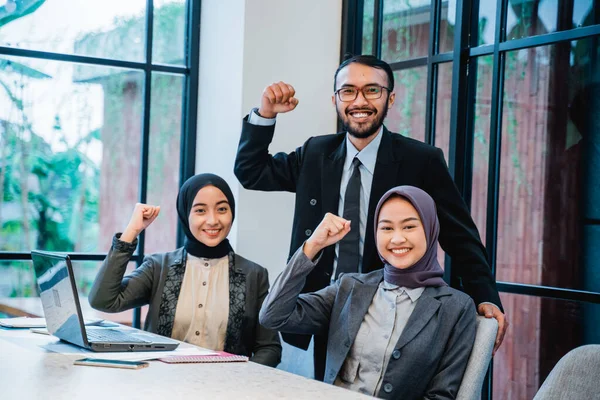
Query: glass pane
[[367, 34], [164, 156], [443, 108], [16, 280], [70, 153], [405, 29], [481, 143], [407, 115], [19, 293], [535, 17], [487, 22], [168, 42], [108, 28], [550, 160], [447, 22], [442, 120], [541, 331], [85, 273]]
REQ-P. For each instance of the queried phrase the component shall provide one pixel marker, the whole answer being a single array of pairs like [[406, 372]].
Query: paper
[[68, 349], [26, 322], [23, 322]]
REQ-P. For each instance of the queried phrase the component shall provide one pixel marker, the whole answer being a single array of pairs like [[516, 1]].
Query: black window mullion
[[410, 63], [26, 256], [456, 149], [494, 159], [484, 50], [378, 28], [550, 292], [550, 38], [352, 27], [495, 138], [87, 60], [145, 147], [432, 72], [145, 142], [442, 58], [457, 157]]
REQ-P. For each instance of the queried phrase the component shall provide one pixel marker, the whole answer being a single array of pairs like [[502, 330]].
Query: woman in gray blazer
[[202, 293], [395, 333]]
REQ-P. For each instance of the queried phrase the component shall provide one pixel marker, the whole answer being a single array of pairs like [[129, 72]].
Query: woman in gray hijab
[[399, 332]]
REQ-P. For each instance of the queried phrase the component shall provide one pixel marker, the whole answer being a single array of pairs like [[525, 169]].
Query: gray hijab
[[426, 271]]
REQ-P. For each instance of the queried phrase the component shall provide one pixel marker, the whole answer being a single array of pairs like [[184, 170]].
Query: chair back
[[479, 360], [575, 376]]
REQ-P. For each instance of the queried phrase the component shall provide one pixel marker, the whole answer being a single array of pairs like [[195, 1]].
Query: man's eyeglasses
[[370, 92]]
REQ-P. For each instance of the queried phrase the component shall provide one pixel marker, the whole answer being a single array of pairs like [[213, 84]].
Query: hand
[[141, 218], [331, 230], [491, 311], [277, 98]]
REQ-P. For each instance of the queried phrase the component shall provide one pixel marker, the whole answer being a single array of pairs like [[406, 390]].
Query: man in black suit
[[347, 173]]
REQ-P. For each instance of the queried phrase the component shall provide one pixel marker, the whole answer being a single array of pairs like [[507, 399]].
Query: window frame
[[464, 57], [189, 71]]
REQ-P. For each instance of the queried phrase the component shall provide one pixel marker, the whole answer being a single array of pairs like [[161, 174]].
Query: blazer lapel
[[331, 178], [425, 309], [385, 177], [360, 299]]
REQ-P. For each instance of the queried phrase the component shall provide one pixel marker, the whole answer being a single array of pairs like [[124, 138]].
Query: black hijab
[[427, 271], [185, 200]]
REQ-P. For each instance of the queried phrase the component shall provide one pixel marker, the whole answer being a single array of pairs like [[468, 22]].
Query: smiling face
[[401, 238], [361, 117], [211, 217]]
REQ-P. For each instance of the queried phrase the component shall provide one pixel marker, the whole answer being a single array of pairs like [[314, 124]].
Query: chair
[[575, 376], [479, 360]]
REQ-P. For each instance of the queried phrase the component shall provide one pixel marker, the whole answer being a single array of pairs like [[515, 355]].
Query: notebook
[[220, 357]]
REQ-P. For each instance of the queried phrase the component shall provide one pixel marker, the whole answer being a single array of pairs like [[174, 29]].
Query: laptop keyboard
[[111, 335]]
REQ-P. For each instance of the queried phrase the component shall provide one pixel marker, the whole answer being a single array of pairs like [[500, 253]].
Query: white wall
[[220, 90], [297, 42], [245, 46]]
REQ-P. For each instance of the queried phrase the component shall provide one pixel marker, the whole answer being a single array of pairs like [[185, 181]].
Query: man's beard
[[363, 131]]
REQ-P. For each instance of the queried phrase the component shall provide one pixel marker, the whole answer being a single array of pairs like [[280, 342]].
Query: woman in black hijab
[[202, 293], [397, 333]]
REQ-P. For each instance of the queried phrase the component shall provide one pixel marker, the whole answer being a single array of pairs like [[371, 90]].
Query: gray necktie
[[349, 252]]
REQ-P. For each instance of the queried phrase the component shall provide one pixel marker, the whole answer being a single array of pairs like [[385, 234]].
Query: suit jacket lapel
[[331, 178], [385, 177], [425, 309]]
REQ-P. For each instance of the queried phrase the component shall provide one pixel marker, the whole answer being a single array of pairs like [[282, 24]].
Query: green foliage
[[22, 8]]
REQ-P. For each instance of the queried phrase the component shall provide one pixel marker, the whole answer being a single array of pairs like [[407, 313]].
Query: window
[[97, 112], [517, 120]]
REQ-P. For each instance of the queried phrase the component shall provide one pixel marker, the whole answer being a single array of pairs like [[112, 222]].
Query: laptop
[[64, 319]]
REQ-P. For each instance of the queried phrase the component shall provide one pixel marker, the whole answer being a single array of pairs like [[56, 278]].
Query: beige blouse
[[203, 304]]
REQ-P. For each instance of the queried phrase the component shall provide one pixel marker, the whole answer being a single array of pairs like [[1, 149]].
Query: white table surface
[[28, 371]]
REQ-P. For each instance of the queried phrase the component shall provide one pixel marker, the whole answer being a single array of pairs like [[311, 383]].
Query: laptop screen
[[59, 296]]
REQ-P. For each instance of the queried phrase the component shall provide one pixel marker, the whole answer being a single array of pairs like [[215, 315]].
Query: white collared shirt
[[368, 159]]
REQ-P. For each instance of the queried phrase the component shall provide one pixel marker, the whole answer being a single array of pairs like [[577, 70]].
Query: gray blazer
[[431, 355], [157, 282]]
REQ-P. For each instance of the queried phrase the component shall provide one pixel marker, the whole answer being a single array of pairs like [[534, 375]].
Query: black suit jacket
[[314, 171]]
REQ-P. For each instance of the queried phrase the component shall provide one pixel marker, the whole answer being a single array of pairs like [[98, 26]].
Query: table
[[32, 307], [28, 371]]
